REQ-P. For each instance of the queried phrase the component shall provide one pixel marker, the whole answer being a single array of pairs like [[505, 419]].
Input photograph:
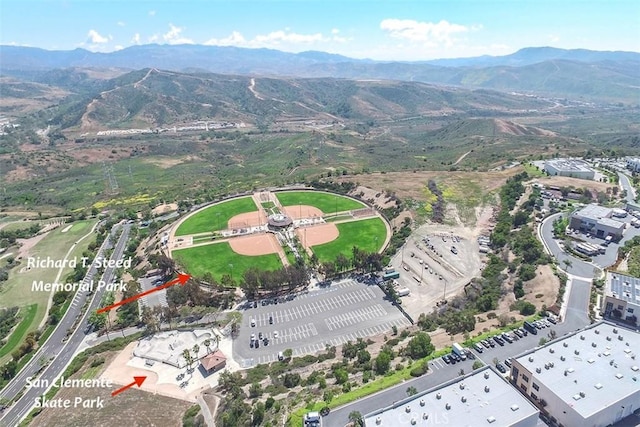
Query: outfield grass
[[27, 314], [17, 290], [217, 259], [326, 202], [216, 217], [368, 235]]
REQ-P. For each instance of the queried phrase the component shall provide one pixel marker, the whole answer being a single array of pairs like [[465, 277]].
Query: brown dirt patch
[[302, 211], [545, 283], [258, 244], [511, 128], [164, 208], [167, 162], [318, 234], [249, 219], [565, 181]]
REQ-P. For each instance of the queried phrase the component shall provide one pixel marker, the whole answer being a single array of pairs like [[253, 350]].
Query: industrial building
[[590, 378], [597, 220], [569, 167], [622, 298], [633, 164], [479, 399]]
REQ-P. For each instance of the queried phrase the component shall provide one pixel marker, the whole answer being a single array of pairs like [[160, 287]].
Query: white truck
[[403, 292], [459, 350]]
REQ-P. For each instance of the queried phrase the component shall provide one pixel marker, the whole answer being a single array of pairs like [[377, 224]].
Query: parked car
[[552, 320], [518, 333], [271, 320], [253, 322], [275, 334], [253, 337], [485, 343], [507, 337], [446, 359], [469, 354], [500, 367], [479, 348], [523, 331], [507, 362], [491, 342], [498, 341], [260, 336]]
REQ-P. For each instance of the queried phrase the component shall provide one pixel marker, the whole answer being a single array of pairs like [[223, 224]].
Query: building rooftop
[[481, 398], [590, 370], [569, 165], [611, 223], [623, 287], [594, 212]]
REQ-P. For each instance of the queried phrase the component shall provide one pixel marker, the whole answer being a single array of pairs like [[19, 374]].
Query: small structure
[[633, 164], [573, 168], [279, 221], [213, 362]]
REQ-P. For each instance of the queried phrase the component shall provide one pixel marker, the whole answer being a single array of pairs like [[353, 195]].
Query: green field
[[17, 290], [368, 235], [218, 259], [27, 315], [216, 217], [326, 202]]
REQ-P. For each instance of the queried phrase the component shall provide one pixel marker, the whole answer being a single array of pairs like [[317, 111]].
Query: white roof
[[590, 370]]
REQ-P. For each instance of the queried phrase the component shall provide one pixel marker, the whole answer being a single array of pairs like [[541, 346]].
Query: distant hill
[[156, 98], [579, 73]]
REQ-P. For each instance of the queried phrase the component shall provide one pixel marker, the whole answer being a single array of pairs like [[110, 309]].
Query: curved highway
[[64, 342]]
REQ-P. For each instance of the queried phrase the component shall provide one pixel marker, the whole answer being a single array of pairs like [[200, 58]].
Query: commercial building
[[596, 220], [590, 378], [569, 167], [633, 164], [622, 298], [479, 399]]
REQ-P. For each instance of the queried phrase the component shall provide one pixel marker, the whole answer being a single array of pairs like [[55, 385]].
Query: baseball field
[[368, 235], [328, 203], [215, 217]]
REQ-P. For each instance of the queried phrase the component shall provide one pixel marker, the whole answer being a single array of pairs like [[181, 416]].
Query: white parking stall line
[[313, 329]]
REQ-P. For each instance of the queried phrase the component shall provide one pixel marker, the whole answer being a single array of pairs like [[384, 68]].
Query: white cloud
[[118, 47], [553, 38], [426, 33], [234, 39], [152, 13], [173, 36], [94, 37], [120, 24], [278, 39], [136, 38]]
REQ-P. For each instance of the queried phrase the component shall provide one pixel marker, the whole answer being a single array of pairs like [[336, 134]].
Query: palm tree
[[567, 263], [355, 417], [196, 350], [207, 343]]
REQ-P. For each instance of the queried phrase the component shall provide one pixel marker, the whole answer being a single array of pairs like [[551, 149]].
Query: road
[[57, 347], [626, 185]]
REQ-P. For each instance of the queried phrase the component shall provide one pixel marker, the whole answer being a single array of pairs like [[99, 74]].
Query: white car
[[275, 334], [253, 322]]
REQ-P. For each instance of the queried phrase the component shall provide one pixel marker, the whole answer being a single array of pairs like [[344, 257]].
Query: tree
[[187, 357], [383, 362], [196, 351], [477, 365], [287, 353], [207, 344], [411, 391], [258, 414], [420, 346], [567, 263], [355, 418]]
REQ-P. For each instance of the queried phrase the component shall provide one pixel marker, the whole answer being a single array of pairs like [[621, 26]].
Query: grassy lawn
[[27, 315], [533, 171], [216, 217], [368, 235], [326, 202], [17, 290], [216, 259]]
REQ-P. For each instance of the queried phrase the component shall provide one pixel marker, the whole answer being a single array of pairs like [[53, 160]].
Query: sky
[[408, 30]]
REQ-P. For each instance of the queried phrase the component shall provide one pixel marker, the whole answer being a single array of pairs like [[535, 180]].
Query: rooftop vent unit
[[607, 353], [576, 351], [634, 368], [564, 344], [582, 337], [546, 366], [422, 402], [627, 351], [538, 370], [619, 376], [594, 345], [620, 338], [597, 331], [425, 416], [615, 330], [611, 362], [447, 406], [463, 399], [530, 358], [582, 394], [551, 365], [608, 338], [591, 360], [491, 419], [598, 386], [378, 420], [486, 389], [461, 386], [438, 396], [551, 350], [413, 421], [563, 358], [486, 375], [570, 370], [407, 408], [576, 397]]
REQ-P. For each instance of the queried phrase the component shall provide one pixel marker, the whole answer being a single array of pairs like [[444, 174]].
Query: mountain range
[[585, 74]]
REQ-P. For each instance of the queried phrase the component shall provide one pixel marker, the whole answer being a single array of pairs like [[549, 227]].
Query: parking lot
[[306, 323], [435, 266], [154, 299]]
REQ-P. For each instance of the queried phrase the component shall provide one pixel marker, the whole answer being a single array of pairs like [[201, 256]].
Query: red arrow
[[182, 279], [136, 381]]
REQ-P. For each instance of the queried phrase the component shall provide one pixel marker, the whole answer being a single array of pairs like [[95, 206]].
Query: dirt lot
[[565, 181], [132, 408], [164, 208]]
